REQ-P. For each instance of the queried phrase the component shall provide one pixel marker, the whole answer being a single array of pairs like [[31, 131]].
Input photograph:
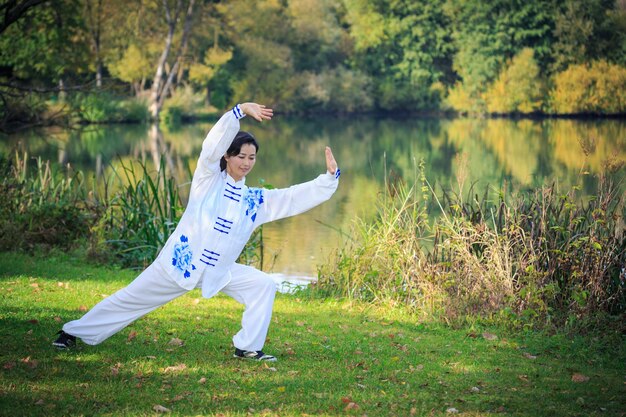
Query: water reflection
[[457, 153]]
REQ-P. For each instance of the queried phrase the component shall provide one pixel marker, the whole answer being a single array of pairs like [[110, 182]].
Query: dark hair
[[242, 138]]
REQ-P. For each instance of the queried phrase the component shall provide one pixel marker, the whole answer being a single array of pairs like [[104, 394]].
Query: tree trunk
[[94, 18], [183, 47], [62, 92], [157, 84]]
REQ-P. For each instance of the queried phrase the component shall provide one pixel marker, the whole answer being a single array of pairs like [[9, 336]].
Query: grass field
[[334, 358]]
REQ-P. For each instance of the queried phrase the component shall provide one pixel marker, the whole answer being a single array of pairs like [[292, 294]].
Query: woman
[[220, 216]]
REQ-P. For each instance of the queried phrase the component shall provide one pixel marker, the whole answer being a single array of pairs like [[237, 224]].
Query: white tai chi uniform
[[220, 217]]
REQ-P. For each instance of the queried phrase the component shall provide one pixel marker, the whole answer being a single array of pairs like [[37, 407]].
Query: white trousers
[[153, 288]]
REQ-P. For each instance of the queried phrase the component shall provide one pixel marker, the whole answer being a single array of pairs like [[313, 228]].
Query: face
[[237, 166]]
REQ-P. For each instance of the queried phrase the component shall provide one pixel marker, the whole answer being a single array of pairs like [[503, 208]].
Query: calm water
[[520, 154]]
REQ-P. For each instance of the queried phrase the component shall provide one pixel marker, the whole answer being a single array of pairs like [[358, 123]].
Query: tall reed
[[534, 258], [142, 214], [124, 218], [42, 205]]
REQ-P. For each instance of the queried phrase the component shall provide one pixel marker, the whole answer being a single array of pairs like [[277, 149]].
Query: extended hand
[[331, 164], [257, 111]]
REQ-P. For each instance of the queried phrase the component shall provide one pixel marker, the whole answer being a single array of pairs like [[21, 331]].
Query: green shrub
[[133, 110], [103, 107]]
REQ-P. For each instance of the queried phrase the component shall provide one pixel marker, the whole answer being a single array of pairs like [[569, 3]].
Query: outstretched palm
[[331, 164], [257, 111]]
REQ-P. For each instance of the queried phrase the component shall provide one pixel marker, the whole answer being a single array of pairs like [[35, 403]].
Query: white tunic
[[222, 214]]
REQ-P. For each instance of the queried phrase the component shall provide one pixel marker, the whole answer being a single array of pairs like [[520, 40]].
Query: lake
[[518, 154]]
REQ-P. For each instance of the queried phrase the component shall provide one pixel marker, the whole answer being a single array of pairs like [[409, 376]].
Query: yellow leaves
[[599, 87], [281, 389], [201, 73], [519, 87], [133, 66]]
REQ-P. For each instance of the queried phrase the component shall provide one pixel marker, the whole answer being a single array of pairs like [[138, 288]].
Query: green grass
[[335, 358]]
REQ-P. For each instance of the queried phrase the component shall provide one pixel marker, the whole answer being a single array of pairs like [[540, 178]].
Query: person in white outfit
[[221, 214]]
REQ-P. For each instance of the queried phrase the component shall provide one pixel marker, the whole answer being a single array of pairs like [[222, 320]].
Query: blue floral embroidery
[[182, 256], [253, 199]]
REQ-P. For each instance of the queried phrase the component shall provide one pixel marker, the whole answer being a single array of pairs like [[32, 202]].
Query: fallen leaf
[[82, 308], [352, 406], [475, 389], [579, 378], [280, 389], [58, 319], [32, 363], [34, 285], [489, 336], [115, 370], [40, 402], [175, 368], [176, 342], [202, 380], [529, 356], [9, 365], [413, 411], [160, 409], [131, 336], [452, 410]]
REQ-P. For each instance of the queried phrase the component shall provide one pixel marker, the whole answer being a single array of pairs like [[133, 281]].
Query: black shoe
[[64, 341], [257, 355]]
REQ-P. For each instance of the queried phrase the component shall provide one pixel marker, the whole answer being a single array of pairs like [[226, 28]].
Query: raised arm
[[299, 198], [223, 132]]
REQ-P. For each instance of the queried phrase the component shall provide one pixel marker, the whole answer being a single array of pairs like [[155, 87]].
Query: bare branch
[[14, 10]]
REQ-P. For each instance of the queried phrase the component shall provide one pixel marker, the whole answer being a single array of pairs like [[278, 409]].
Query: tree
[[587, 30], [160, 84], [597, 88], [519, 87], [201, 73], [45, 45], [12, 10], [134, 67], [405, 46], [487, 34]]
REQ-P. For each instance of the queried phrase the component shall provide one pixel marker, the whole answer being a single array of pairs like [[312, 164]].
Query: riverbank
[[335, 358]]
